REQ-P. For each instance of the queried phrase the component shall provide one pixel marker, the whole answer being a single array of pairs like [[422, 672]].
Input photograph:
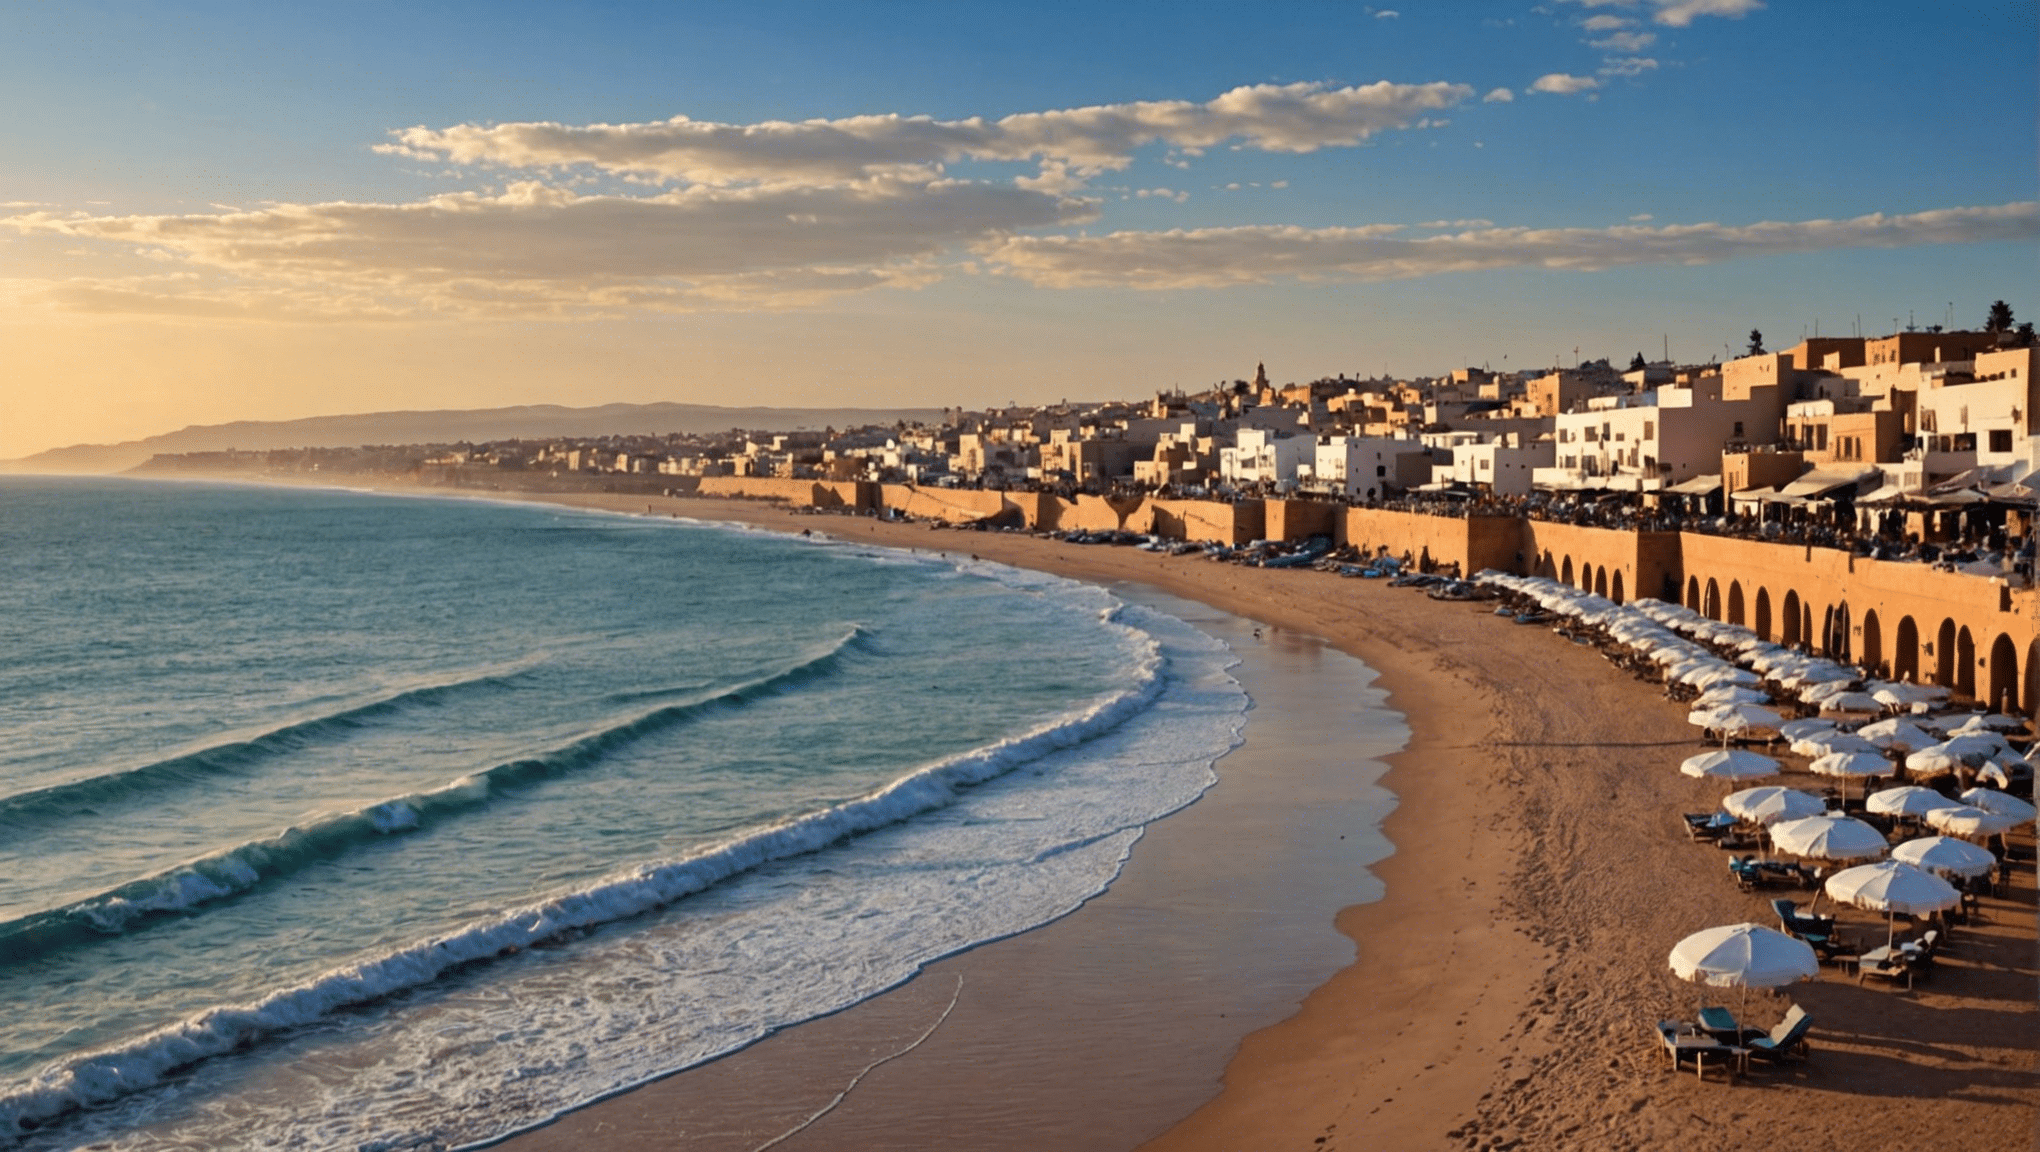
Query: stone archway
[[1763, 613], [1544, 567], [1711, 605], [1873, 643], [1735, 602], [2004, 676], [1615, 587], [1944, 655], [2033, 680], [1790, 636], [1693, 593], [1837, 633], [1586, 577], [1565, 573], [1905, 651], [1601, 582]]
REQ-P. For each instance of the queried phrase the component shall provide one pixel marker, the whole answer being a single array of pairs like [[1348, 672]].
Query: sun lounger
[[1893, 964], [1787, 1038], [1708, 825], [1817, 931]]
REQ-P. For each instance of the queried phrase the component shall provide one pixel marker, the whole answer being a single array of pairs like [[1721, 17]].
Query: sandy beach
[[1498, 996]]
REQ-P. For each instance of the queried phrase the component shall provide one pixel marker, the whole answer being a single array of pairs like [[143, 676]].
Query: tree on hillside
[[2000, 318], [1636, 362], [1756, 343], [2025, 333]]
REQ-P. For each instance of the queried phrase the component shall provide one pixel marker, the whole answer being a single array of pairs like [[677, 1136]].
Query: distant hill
[[525, 422]]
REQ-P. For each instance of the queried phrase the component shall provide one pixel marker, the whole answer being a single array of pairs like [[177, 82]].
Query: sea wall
[[1975, 634]]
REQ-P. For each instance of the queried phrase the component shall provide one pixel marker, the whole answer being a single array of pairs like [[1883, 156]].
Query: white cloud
[[1640, 217], [1161, 194], [1299, 117], [1561, 84], [1674, 13], [1387, 14], [1476, 222], [1627, 66], [1220, 257], [1624, 42], [532, 247], [1498, 96], [1604, 23]]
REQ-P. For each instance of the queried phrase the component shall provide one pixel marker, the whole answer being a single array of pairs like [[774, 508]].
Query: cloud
[[1498, 96], [1640, 217], [536, 248], [1300, 117], [1221, 257], [1561, 84], [1473, 223], [1624, 42], [1387, 14], [1671, 13], [1604, 23], [1627, 66]]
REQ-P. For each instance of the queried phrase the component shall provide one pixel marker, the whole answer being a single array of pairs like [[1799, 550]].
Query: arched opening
[[1693, 593], [1873, 643], [1586, 577], [1544, 567], [1711, 606], [1944, 654], [1965, 663], [2004, 676], [1905, 651], [1735, 602], [1838, 646], [1565, 573], [1806, 622], [1601, 582], [1615, 587], [2033, 680], [1791, 635], [1763, 613]]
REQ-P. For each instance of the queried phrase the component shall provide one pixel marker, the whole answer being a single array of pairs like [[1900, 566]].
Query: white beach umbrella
[[1823, 690], [1897, 733], [1892, 887], [1967, 821], [1968, 751], [1742, 717], [1730, 694], [1907, 800], [1796, 730], [1850, 702], [1945, 856], [1991, 722], [1770, 804], [1852, 766], [2002, 803], [1726, 764], [1829, 837], [1899, 694], [1826, 743], [1743, 956], [1720, 673]]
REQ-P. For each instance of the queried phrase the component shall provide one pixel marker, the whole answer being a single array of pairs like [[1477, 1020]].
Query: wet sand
[[1499, 995]]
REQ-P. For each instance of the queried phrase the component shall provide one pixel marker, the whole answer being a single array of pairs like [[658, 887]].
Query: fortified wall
[[1905, 620]]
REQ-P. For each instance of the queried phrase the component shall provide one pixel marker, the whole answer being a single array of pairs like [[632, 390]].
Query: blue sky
[[210, 214]]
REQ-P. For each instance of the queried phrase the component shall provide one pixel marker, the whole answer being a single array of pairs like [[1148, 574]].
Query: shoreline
[[1502, 989]]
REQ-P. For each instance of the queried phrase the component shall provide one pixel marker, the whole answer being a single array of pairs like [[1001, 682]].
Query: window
[[2001, 439], [1649, 429], [1738, 430]]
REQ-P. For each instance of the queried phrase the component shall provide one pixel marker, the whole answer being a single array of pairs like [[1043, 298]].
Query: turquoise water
[[344, 820]]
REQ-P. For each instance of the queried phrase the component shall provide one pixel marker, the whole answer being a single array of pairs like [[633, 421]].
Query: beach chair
[[1817, 931], [1707, 825], [1721, 1024], [1782, 1042], [1893, 964], [1681, 1044], [1747, 875]]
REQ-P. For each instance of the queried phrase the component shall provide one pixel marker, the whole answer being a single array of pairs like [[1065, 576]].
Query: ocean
[[341, 820]]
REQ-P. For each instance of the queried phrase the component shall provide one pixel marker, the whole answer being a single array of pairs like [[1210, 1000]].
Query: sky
[[224, 211]]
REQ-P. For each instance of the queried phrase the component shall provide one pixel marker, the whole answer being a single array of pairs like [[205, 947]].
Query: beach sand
[[1499, 996]]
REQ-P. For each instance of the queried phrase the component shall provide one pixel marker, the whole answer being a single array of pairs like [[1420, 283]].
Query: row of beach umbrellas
[[1906, 879]]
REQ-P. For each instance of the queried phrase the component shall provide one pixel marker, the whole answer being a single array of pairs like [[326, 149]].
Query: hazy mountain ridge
[[523, 422]]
